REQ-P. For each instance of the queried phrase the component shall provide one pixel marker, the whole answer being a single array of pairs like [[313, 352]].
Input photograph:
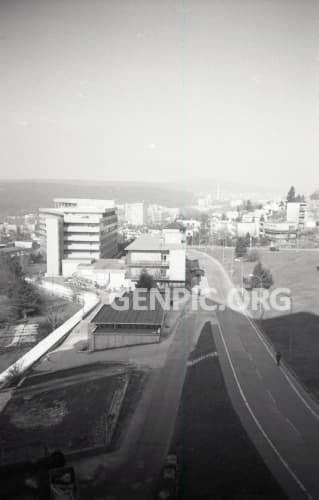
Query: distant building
[[106, 273], [165, 261], [172, 213], [135, 214], [297, 213], [279, 231], [204, 202], [155, 214], [77, 231], [222, 226], [23, 244], [253, 228], [23, 254]]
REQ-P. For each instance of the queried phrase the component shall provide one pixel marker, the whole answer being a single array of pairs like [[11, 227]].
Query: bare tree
[[54, 315]]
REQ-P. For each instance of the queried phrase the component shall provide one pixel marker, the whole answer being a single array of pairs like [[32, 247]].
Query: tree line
[[21, 296]]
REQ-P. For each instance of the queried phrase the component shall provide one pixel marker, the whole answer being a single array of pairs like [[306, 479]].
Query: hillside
[[19, 197]]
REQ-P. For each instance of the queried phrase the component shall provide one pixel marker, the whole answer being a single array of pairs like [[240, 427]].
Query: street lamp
[[289, 296], [260, 301], [242, 277]]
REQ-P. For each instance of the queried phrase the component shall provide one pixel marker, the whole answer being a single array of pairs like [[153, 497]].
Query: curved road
[[279, 416]]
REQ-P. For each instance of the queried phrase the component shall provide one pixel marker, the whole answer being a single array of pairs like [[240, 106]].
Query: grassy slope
[[296, 336]]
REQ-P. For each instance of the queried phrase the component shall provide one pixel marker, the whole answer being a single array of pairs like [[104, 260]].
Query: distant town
[[90, 382]]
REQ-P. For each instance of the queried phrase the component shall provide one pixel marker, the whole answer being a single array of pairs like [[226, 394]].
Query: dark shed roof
[[108, 314]]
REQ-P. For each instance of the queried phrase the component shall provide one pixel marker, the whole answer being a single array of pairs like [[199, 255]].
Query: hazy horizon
[[160, 91]]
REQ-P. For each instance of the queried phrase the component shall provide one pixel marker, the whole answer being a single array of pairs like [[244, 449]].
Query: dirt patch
[[44, 414], [68, 418]]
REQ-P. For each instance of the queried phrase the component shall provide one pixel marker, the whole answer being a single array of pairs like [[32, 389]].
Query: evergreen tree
[[262, 277], [241, 247], [145, 280], [291, 196]]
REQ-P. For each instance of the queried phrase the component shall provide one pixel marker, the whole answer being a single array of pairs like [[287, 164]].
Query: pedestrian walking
[[278, 358]]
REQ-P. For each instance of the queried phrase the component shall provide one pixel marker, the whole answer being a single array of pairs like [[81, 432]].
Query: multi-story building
[[155, 253], [279, 231], [77, 231], [135, 214], [297, 213], [155, 214]]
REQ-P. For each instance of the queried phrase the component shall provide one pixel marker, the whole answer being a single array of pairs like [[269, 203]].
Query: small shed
[[129, 320]]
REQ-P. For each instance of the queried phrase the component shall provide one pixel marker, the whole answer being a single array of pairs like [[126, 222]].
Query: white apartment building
[[253, 228], [77, 231], [165, 261], [155, 214], [297, 213], [135, 214]]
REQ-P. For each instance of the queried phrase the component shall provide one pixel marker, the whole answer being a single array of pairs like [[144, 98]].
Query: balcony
[[81, 228], [148, 263], [81, 238]]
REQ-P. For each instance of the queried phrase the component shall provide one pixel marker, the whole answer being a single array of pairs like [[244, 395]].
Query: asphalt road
[[279, 416], [146, 456]]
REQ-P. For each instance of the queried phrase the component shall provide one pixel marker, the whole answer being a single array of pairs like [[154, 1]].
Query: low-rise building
[[124, 323], [279, 231], [106, 273], [252, 228]]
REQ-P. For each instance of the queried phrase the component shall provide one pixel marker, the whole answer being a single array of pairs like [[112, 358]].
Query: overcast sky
[[145, 89]]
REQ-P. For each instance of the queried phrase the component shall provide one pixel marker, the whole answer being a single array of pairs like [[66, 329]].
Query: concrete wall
[[100, 340], [53, 245], [69, 266], [27, 360], [144, 256], [173, 236]]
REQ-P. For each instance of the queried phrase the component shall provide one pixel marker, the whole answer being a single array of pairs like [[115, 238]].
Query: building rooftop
[[75, 210], [174, 225], [108, 315], [104, 264], [152, 242], [85, 202]]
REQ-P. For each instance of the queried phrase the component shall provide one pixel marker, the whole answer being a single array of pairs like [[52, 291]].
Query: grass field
[[218, 460], [68, 418], [291, 269]]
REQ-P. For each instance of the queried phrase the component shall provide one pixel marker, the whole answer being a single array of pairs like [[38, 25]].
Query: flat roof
[[108, 315], [76, 210], [104, 264], [137, 330], [152, 242]]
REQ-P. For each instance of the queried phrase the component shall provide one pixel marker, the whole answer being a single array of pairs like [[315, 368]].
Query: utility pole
[[290, 334], [242, 277]]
